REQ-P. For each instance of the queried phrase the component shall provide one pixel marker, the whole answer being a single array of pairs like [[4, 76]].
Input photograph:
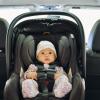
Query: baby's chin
[[46, 62]]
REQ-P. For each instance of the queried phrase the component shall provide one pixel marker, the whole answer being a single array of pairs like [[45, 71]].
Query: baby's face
[[46, 56]]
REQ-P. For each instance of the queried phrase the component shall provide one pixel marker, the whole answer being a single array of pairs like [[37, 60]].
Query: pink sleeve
[[62, 86]]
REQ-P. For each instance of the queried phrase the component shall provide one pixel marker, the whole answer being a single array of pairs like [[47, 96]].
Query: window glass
[[88, 17], [9, 13]]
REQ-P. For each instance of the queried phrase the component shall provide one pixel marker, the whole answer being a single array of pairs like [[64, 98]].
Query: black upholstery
[[3, 75], [22, 48], [93, 63]]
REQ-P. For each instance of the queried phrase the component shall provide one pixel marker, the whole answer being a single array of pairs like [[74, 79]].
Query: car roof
[[51, 2]]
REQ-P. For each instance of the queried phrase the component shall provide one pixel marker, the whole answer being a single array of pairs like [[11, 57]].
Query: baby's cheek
[[39, 58], [29, 75], [52, 59]]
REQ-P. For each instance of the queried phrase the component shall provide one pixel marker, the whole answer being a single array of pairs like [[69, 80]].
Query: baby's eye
[[50, 52], [42, 52]]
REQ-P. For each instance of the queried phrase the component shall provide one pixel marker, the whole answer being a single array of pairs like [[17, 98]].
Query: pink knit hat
[[43, 45]]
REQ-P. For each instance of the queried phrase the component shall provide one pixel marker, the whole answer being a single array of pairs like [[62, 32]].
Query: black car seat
[[22, 38], [3, 75], [93, 64]]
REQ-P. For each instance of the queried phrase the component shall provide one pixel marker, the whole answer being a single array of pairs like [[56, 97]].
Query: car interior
[[69, 25]]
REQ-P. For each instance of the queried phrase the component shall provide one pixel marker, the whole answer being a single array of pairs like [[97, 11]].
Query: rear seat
[[3, 76], [93, 64]]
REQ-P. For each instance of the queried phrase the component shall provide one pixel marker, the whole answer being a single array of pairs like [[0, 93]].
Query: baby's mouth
[[47, 59]]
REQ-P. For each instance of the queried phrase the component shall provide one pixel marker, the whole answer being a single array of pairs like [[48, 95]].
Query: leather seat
[[93, 64]]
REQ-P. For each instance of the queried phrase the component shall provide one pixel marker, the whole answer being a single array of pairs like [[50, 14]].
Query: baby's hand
[[30, 75], [59, 72], [32, 67], [57, 75]]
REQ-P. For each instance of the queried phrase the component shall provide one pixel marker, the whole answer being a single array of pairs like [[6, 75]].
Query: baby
[[46, 54]]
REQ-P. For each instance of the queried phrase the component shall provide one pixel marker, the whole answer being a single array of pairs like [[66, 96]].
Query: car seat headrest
[[28, 51], [3, 31], [94, 38]]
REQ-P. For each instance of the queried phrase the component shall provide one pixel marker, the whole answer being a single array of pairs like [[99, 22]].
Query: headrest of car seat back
[[29, 47], [94, 38], [3, 31], [57, 33]]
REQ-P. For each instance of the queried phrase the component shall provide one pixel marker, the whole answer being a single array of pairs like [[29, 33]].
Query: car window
[[88, 17], [9, 13]]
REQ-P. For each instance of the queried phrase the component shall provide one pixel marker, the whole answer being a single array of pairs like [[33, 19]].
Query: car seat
[[93, 62], [21, 41], [3, 75]]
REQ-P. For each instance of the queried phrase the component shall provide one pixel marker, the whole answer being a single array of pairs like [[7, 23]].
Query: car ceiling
[[51, 2]]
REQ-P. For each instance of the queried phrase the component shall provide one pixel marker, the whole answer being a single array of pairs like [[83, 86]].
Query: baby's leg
[[29, 88], [62, 86]]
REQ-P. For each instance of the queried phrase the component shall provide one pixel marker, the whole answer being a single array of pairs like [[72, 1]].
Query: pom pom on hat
[[44, 45]]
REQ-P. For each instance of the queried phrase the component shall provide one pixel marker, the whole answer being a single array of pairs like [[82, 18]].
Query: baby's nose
[[46, 54]]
